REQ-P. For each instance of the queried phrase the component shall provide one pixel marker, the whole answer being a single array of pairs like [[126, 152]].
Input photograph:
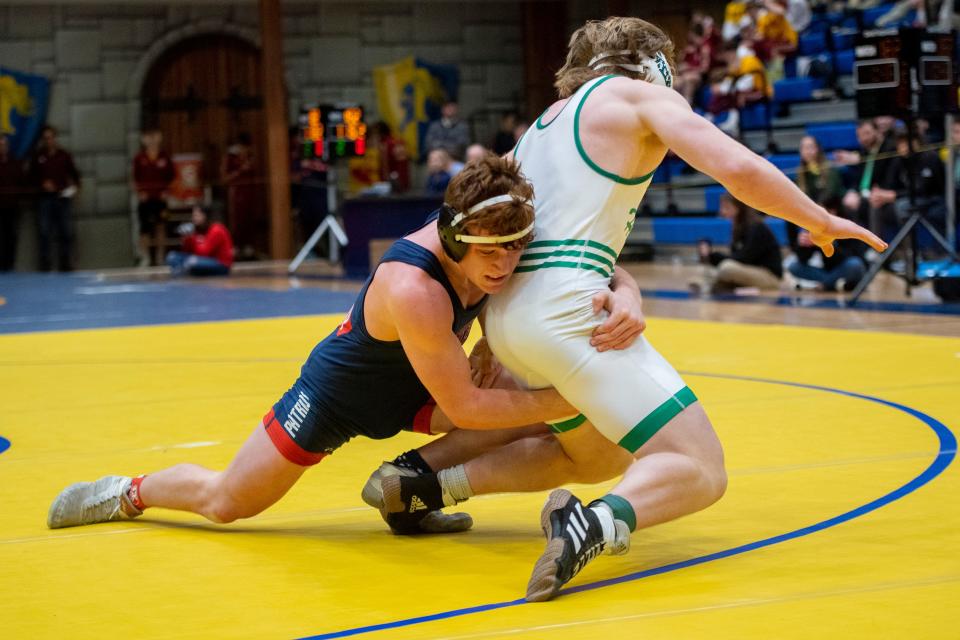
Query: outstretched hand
[[837, 228]]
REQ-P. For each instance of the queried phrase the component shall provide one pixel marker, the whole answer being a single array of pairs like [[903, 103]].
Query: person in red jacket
[[207, 248]]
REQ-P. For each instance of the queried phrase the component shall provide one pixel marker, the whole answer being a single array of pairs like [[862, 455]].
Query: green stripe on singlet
[[572, 252], [563, 265], [568, 425], [573, 243], [660, 416]]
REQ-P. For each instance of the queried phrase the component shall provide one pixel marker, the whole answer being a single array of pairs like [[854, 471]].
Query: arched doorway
[[204, 94]]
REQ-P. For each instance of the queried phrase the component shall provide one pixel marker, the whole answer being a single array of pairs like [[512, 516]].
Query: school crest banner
[[409, 96], [23, 108]]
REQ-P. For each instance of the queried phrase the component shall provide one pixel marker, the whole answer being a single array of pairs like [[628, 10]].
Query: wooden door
[[202, 94]]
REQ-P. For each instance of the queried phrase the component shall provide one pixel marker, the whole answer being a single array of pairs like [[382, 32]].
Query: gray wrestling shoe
[[91, 502], [434, 521], [372, 492]]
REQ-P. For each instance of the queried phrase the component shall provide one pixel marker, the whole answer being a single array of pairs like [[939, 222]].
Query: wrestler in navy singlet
[[353, 384]]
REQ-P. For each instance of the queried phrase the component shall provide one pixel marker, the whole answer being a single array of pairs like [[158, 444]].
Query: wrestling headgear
[[655, 69], [451, 227]]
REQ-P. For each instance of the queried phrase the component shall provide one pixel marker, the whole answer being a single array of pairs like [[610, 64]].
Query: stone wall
[[96, 56]]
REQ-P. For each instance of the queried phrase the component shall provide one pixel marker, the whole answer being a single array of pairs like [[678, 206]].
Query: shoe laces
[[94, 505], [588, 554]]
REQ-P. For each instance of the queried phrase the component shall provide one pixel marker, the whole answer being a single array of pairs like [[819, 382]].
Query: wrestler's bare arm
[[420, 311], [750, 178]]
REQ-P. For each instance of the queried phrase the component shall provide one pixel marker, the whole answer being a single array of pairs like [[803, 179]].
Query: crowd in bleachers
[[766, 58]]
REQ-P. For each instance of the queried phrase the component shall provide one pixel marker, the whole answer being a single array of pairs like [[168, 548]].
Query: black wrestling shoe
[[574, 538], [412, 505]]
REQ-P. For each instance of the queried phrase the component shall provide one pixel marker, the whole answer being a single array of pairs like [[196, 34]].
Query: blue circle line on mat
[[4, 444], [945, 455]]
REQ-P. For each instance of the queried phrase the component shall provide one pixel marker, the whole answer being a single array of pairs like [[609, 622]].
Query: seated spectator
[[899, 11], [394, 159], [207, 248], [440, 168], [776, 38], [449, 132], [152, 174], [816, 178], [799, 15], [840, 272], [927, 185], [754, 260], [949, 15], [694, 63], [953, 142], [478, 152], [750, 74], [869, 169], [520, 129], [735, 17], [505, 140]]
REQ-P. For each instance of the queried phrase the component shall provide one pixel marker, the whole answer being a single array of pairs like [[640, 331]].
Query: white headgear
[[655, 69]]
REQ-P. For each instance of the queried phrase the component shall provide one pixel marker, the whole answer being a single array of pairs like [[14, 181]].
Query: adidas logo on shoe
[[416, 504]]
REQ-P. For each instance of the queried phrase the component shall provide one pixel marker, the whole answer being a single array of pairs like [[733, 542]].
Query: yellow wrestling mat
[[841, 519]]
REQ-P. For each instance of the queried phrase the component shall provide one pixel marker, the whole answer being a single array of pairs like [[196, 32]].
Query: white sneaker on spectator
[[807, 285]]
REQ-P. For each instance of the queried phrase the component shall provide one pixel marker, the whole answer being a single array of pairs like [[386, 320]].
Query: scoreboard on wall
[[333, 131]]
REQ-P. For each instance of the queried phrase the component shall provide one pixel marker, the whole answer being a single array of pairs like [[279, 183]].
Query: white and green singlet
[[539, 326]]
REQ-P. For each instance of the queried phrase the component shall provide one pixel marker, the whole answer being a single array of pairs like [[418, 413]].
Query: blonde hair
[[608, 36]]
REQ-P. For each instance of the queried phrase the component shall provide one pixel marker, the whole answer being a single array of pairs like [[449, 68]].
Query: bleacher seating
[[843, 62], [844, 39], [812, 43], [711, 198], [870, 15], [789, 163], [833, 136], [794, 89], [797, 109], [690, 230], [755, 116]]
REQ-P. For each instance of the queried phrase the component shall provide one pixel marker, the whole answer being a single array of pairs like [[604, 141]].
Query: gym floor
[[838, 424]]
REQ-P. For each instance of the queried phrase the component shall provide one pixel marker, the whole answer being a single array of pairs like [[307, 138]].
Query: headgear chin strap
[[456, 244], [655, 69]]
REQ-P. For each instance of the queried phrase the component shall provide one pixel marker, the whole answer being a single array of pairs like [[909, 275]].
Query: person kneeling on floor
[[207, 248], [840, 272]]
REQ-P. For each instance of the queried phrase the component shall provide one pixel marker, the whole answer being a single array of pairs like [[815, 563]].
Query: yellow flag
[[403, 91]]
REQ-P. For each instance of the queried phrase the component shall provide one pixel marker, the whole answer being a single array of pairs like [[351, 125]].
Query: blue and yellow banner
[[409, 96], [23, 108]]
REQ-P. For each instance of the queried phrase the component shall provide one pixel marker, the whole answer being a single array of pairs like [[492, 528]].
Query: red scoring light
[[360, 146]]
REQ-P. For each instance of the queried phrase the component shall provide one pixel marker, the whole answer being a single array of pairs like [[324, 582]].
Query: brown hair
[[822, 166], [612, 34], [743, 219], [486, 178]]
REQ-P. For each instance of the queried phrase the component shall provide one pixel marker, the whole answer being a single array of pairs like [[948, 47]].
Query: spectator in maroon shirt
[[152, 173], [207, 248], [54, 173], [11, 188]]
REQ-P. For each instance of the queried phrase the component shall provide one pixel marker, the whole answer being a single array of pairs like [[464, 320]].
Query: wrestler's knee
[[224, 508]]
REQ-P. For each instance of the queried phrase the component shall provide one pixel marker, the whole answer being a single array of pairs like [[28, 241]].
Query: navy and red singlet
[[353, 384]]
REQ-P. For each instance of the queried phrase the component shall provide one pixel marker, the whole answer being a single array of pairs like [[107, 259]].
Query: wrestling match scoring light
[[331, 132]]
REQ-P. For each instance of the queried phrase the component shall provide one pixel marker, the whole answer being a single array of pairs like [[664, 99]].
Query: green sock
[[622, 510]]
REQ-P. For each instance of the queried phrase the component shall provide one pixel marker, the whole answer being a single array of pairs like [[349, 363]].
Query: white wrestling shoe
[[91, 502], [372, 492]]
